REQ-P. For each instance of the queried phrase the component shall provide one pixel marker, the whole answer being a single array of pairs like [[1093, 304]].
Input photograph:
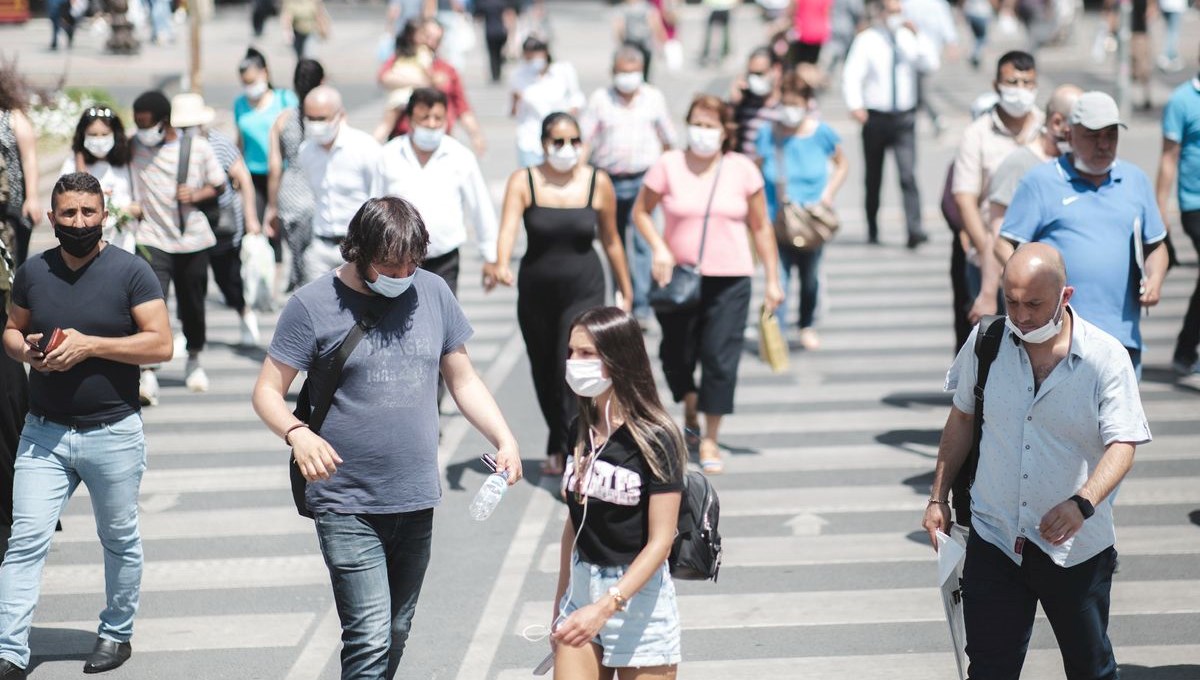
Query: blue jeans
[[1171, 39], [52, 460], [637, 250], [1000, 598], [376, 564], [160, 19], [808, 266]]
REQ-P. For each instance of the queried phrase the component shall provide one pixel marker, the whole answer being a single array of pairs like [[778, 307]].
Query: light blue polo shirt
[[1093, 229], [1181, 124]]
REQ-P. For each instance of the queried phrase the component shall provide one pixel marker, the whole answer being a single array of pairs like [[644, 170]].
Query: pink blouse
[[684, 198]]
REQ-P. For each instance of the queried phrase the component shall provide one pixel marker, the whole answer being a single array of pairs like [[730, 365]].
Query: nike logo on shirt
[[1069, 200]]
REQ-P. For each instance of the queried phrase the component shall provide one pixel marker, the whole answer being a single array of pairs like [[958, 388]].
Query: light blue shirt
[[1181, 124], [1093, 229], [806, 163], [1040, 446]]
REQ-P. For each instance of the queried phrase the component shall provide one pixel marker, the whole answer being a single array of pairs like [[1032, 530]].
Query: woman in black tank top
[[562, 202]]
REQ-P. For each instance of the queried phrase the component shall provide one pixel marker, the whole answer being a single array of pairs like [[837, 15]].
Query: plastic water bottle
[[489, 496]]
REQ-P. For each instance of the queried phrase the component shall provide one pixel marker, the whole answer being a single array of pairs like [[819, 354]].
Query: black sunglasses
[[559, 143]]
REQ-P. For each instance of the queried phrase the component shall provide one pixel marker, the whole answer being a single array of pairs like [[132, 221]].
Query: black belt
[[75, 424], [626, 175], [334, 240], [896, 114]]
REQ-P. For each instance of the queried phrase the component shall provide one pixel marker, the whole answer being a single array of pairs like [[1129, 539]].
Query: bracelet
[[290, 430], [934, 500]]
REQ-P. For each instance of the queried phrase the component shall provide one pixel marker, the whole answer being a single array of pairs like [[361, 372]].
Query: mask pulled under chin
[[1043, 333], [1086, 169], [586, 378]]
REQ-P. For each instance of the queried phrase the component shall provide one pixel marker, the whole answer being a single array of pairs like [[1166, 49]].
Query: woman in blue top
[[809, 147], [255, 112]]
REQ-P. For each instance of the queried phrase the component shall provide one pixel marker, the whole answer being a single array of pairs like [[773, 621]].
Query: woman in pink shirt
[[810, 29], [682, 182]]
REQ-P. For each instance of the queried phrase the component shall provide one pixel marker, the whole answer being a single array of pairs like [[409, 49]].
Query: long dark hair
[[255, 59], [406, 39], [119, 155], [619, 344], [308, 75]]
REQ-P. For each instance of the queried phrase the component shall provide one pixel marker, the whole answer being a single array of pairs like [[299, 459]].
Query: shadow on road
[[1180, 672], [68, 645], [1195, 517], [913, 399], [913, 441]]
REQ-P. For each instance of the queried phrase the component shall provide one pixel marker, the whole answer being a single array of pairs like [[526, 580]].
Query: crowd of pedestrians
[[615, 198]]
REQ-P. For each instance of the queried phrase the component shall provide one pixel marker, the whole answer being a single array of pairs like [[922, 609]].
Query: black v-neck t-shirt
[[617, 525], [97, 299]]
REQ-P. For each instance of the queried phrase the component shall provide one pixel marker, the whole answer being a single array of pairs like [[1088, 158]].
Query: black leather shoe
[[107, 655], [11, 671], [916, 240]]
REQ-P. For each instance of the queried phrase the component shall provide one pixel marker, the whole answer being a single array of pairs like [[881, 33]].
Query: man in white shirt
[[1063, 418], [442, 179], [879, 83], [626, 127], [339, 163]]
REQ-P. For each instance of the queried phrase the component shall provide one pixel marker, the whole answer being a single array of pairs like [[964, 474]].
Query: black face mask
[[78, 241]]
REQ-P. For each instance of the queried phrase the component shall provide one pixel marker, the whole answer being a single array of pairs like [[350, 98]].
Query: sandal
[[554, 464], [711, 463]]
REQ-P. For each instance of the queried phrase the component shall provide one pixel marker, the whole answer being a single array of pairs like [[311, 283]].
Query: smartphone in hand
[[49, 342]]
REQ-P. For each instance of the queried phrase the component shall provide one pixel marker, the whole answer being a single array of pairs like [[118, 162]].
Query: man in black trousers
[[879, 83]]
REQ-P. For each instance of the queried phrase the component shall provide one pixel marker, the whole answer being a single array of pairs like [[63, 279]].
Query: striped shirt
[[627, 137], [154, 187]]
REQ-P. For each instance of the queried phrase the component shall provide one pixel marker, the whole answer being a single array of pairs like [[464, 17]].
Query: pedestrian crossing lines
[[827, 473], [234, 585]]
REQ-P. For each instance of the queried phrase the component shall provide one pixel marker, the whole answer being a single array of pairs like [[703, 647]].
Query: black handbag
[[682, 292], [211, 208], [313, 412]]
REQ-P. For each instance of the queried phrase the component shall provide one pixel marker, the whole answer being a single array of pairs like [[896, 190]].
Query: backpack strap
[[323, 401], [987, 347], [181, 173]]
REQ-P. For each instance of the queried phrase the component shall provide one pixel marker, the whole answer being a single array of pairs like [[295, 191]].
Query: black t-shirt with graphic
[[617, 525]]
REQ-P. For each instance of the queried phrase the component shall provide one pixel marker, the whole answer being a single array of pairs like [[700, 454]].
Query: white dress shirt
[[1040, 445], [340, 178], [872, 61], [447, 191]]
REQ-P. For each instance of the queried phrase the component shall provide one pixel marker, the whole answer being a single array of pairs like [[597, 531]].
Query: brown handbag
[[803, 227]]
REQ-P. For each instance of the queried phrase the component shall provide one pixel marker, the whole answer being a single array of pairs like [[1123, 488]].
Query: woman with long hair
[[564, 203], [289, 197], [711, 195], [615, 605], [101, 149], [20, 211]]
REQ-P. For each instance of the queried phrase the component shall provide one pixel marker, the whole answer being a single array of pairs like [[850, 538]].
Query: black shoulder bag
[[987, 346], [313, 411], [682, 292], [210, 208]]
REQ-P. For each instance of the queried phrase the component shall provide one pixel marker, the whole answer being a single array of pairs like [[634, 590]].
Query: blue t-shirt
[[1093, 228], [806, 163], [1181, 124], [384, 419], [255, 127]]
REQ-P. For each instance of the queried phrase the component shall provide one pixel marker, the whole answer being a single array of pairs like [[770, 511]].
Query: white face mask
[[563, 159], [537, 63], [427, 139], [320, 131], [704, 142], [1017, 101], [99, 146], [1086, 169], [152, 136], [586, 378], [628, 82], [895, 22], [1063, 146], [792, 116], [254, 91], [759, 85], [1045, 332], [390, 286]]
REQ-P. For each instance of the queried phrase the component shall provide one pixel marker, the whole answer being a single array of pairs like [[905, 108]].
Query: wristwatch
[[615, 593], [1085, 506]]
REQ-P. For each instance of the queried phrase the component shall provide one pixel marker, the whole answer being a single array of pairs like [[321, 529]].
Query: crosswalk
[[827, 474]]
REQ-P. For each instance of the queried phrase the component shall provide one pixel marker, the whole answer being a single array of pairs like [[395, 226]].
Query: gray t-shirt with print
[[384, 419]]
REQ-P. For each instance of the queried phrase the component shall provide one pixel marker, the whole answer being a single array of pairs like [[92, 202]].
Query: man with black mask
[[84, 316]]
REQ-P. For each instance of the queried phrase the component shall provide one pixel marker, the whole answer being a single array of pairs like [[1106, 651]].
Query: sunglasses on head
[[560, 142], [99, 113]]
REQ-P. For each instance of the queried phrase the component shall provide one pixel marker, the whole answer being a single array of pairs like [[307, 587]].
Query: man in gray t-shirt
[[372, 472]]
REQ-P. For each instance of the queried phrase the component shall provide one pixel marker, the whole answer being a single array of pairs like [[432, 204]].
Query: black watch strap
[[1085, 506]]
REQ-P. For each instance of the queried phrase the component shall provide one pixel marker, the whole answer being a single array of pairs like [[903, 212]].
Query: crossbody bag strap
[[781, 197], [708, 211], [185, 157], [322, 402], [987, 347]]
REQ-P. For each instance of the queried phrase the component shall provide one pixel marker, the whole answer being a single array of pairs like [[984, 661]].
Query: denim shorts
[[647, 633]]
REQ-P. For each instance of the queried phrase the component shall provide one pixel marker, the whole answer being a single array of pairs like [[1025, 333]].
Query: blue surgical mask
[[390, 286]]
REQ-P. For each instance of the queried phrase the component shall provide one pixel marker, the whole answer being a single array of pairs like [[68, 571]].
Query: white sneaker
[[197, 379], [148, 388], [180, 345], [250, 336]]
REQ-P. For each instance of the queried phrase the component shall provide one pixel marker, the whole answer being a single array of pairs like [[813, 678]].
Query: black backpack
[[696, 554], [987, 346]]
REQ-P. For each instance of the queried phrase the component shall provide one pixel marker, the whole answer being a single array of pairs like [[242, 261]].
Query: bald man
[[1063, 420], [339, 163]]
